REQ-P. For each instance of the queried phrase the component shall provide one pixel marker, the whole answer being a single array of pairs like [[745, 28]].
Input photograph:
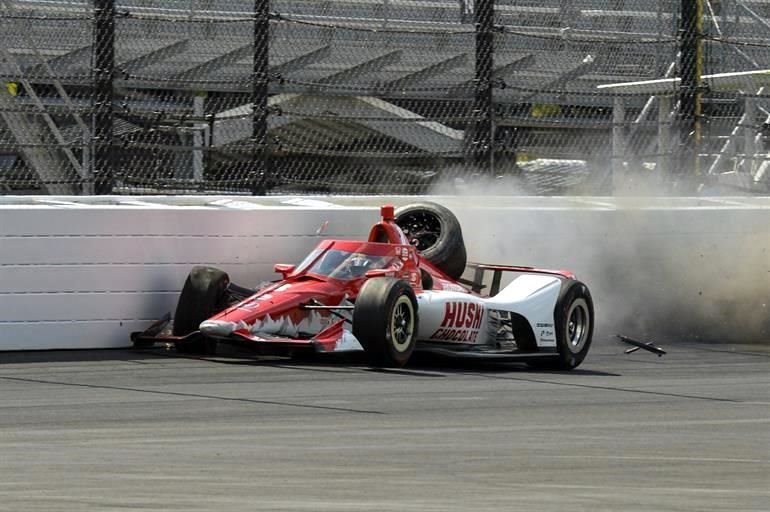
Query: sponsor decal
[[461, 322], [459, 335], [452, 287], [546, 331]]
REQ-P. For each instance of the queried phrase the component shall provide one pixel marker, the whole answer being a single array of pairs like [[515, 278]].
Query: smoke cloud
[[659, 268]]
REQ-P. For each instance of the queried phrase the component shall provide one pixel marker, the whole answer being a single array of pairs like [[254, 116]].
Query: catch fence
[[384, 96]]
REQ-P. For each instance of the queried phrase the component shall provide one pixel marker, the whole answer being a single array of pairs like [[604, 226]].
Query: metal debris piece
[[648, 346]]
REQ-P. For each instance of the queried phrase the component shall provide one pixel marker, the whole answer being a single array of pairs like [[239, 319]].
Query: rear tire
[[436, 233], [204, 294], [385, 321], [574, 317]]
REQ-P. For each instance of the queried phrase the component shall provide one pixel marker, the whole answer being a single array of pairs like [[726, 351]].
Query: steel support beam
[[753, 15], [373, 113], [53, 163], [211, 65], [618, 142], [749, 135], [153, 57], [426, 73], [62, 61], [103, 72], [301, 62], [363, 68], [728, 149], [663, 163], [581, 69], [200, 138], [260, 81], [482, 134], [690, 71], [520, 62]]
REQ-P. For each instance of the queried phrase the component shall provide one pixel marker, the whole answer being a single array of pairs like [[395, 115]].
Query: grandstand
[[369, 96]]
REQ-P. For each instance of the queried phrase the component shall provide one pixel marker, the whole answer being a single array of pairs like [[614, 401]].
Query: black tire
[[436, 233], [385, 321], [574, 317], [203, 295]]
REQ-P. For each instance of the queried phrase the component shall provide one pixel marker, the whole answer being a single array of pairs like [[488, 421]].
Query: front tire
[[385, 321], [204, 294]]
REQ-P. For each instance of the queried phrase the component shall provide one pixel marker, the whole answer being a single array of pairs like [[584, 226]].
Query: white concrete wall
[[85, 272], [82, 277]]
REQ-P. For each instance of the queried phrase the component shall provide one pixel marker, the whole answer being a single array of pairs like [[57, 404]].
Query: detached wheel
[[574, 316], [385, 321], [204, 294], [436, 233]]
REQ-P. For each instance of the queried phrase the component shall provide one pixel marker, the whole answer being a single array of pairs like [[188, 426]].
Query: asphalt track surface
[[122, 429]]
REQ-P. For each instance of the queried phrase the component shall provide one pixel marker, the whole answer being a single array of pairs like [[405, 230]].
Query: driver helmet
[[358, 264]]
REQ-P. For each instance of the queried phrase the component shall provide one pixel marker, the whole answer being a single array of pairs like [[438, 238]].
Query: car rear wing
[[480, 270]]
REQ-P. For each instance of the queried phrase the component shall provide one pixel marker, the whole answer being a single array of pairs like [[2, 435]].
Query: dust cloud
[[659, 268]]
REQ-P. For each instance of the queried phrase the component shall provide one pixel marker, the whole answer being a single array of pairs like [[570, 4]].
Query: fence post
[[619, 142], [749, 135], [103, 67], [199, 138], [259, 96], [483, 125], [690, 68], [663, 160]]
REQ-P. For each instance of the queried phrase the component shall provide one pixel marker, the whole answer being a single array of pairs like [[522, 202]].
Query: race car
[[399, 291]]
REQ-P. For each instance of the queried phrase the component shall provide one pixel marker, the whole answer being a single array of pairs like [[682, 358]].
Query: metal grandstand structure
[[382, 96]]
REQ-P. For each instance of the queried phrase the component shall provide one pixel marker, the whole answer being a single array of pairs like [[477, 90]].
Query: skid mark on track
[[615, 388], [191, 395]]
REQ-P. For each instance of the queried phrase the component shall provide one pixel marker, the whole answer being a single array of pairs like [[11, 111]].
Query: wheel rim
[[402, 324], [578, 325], [422, 229]]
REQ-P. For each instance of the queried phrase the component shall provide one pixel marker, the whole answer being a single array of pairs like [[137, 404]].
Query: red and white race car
[[399, 291]]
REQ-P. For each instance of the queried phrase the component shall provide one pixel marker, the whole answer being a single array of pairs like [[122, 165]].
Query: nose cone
[[217, 328]]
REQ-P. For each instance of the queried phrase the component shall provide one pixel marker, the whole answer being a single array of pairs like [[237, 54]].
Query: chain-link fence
[[384, 96]]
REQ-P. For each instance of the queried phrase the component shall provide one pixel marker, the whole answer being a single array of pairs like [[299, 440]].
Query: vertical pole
[[86, 159], [259, 96], [385, 13], [199, 139], [618, 142], [690, 69], [664, 137], [749, 134], [103, 65], [466, 11], [482, 105]]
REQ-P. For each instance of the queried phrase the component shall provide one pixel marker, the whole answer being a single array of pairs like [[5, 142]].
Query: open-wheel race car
[[400, 290]]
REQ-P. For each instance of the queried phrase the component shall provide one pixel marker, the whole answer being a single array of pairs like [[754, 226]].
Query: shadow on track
[[421, 365], [76, 356]]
